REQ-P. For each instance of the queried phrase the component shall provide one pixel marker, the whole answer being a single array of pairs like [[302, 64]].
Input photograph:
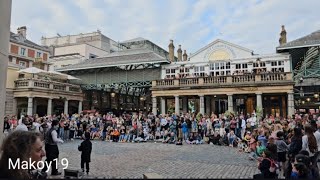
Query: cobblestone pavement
[[132, 160]]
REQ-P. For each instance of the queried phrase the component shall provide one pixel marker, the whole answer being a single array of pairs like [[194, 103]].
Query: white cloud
[[193, 24]]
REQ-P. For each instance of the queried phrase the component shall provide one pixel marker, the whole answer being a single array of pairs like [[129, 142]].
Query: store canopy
[[69, 77]]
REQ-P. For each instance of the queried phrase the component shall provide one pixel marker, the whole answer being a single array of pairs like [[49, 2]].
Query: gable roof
[[312, 39], [19, 39], [125, 57], [222, 41]]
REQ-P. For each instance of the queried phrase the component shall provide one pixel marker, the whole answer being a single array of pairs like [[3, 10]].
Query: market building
[[223, 76]]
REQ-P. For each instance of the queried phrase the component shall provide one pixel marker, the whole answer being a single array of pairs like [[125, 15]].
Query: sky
[[253, 24]]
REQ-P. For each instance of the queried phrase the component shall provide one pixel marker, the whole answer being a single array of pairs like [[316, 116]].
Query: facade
[[224, 77], [305, 55], [12, 75], [120, 81], [42, 92], [25, 52], [73, 49]]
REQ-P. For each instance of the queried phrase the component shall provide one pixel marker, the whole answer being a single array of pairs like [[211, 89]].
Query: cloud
[[254, 24]]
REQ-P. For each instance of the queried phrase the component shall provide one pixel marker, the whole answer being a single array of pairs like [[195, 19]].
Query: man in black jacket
[[85, 148]]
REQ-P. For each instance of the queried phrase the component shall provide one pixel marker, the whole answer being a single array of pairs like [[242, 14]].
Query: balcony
[[46, 85], [235, 80]]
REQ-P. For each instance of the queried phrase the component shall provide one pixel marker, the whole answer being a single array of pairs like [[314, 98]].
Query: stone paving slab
[[132, 160]]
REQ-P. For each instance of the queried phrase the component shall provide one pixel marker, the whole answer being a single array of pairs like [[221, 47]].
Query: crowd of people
[[283, 147]]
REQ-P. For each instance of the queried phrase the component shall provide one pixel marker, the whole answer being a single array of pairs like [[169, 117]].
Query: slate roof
[[16, 38], [308, 40], [125, 57]]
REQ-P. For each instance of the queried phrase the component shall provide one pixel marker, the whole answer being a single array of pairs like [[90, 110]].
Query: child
[[282, 149], [85, 148]]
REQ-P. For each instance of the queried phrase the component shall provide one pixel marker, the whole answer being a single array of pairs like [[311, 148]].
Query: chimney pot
[[171, 51], [22, 31], [185, 56], [179, 53]]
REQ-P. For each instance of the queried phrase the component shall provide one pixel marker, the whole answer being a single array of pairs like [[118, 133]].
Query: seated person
[[93, 131], [172, 138], [231, 138], [115, 135], [214, 138], [191, 140], [199, 139], [259, 150]]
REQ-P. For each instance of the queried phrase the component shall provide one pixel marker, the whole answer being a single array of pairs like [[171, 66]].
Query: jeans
[[61, 133], [71, 135], [231, 141], [185, 135], [121, 137], [104, 134], [66, 135]]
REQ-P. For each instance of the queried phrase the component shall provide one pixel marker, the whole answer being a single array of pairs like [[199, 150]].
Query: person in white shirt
[[243, 127], [22, 126], [37, 125]]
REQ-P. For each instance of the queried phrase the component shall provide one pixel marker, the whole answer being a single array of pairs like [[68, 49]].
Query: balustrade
[[43, 84], [236, 79]]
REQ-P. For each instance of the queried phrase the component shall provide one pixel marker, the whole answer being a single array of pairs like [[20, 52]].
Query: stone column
[[163, 105], [177, 105], [154, 105], [259, 100], [230, 102], [290, 104], [35, 104], [66, 107], [201, 104], [185, 104], [80, 107], [49, 107], [30, 106], [208, 103], [14, 106]]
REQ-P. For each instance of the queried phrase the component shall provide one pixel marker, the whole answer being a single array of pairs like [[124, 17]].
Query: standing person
[[51, 147], [22, 126], [243, 126], [282, 149], [309, 143], [85, 148]]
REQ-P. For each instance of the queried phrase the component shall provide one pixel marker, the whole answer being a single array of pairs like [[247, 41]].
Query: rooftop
[[19, 39], [306, 41], [125, 57]]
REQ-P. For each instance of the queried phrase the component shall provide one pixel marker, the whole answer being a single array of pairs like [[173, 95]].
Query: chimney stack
[[22, 31], [185, 56], [179, 53], [283, 36], [171, 51]]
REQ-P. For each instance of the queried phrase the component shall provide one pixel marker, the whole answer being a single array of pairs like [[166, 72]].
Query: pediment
[[220, 50]]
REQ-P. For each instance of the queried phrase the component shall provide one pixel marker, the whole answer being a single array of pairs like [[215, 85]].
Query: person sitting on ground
[[214, 138], [116, 135], [25, 146], [231, 138], [199, 139], [259, 150], [191, 140]]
